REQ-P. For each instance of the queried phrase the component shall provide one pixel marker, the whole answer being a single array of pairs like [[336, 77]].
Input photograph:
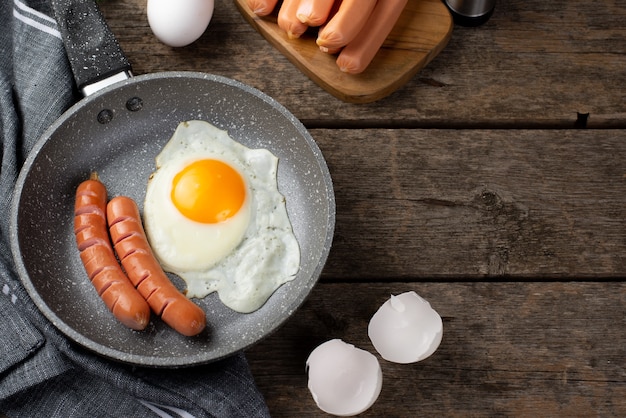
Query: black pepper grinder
[[471, 12]]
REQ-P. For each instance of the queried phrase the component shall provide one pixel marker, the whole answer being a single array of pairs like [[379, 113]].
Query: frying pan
[[117, 130]]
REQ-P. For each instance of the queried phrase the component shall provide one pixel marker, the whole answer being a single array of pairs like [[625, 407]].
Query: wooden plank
[[471, 204], [508, 349], [534, 64]]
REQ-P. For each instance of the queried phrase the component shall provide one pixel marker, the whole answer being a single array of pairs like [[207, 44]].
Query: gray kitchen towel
[[42, 374]]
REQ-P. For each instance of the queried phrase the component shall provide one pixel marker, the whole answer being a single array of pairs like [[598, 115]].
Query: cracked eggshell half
[[405, 329], [344, 380]]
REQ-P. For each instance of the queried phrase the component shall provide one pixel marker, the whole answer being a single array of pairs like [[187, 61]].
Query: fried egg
[[214, 217]]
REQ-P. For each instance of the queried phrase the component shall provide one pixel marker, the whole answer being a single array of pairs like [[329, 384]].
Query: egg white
[[246, 258]]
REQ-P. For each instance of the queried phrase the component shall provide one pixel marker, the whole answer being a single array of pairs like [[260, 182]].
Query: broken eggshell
[[344, 380], [405, 329]]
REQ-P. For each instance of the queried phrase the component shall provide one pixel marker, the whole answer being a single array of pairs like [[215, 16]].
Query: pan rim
[[143, 360]]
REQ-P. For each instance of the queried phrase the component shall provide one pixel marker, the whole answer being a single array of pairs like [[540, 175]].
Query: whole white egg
[[179, 22], [214, 216]]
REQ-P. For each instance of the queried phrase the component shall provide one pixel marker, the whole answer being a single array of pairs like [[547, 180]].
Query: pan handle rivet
[[105, 116], [134, 104]]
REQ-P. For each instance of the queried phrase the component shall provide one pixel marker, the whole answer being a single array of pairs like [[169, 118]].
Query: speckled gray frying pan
[[117, 131]]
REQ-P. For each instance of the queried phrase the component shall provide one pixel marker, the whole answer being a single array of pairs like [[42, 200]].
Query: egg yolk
[[208, 191]]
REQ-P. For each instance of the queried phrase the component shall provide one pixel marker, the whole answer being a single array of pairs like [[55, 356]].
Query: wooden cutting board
[[423, 30]]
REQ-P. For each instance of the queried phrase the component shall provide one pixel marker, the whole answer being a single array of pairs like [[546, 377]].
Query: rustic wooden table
[[493, 184]]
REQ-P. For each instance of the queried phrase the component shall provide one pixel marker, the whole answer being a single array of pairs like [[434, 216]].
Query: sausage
[[358, 54], [262, 7], [314, 12], [145, 272], [344, 25], [288, 21], [96, 254]]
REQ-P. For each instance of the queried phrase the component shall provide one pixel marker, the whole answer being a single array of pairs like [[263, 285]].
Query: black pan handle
[[93, 52]]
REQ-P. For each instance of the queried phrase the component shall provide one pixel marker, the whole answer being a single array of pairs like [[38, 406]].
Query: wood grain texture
[[518, 219], [422, 31], [533, 64], [508, 349], [476, 204]]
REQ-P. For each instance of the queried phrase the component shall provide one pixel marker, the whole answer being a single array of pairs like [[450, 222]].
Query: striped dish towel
[[42, 374]]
